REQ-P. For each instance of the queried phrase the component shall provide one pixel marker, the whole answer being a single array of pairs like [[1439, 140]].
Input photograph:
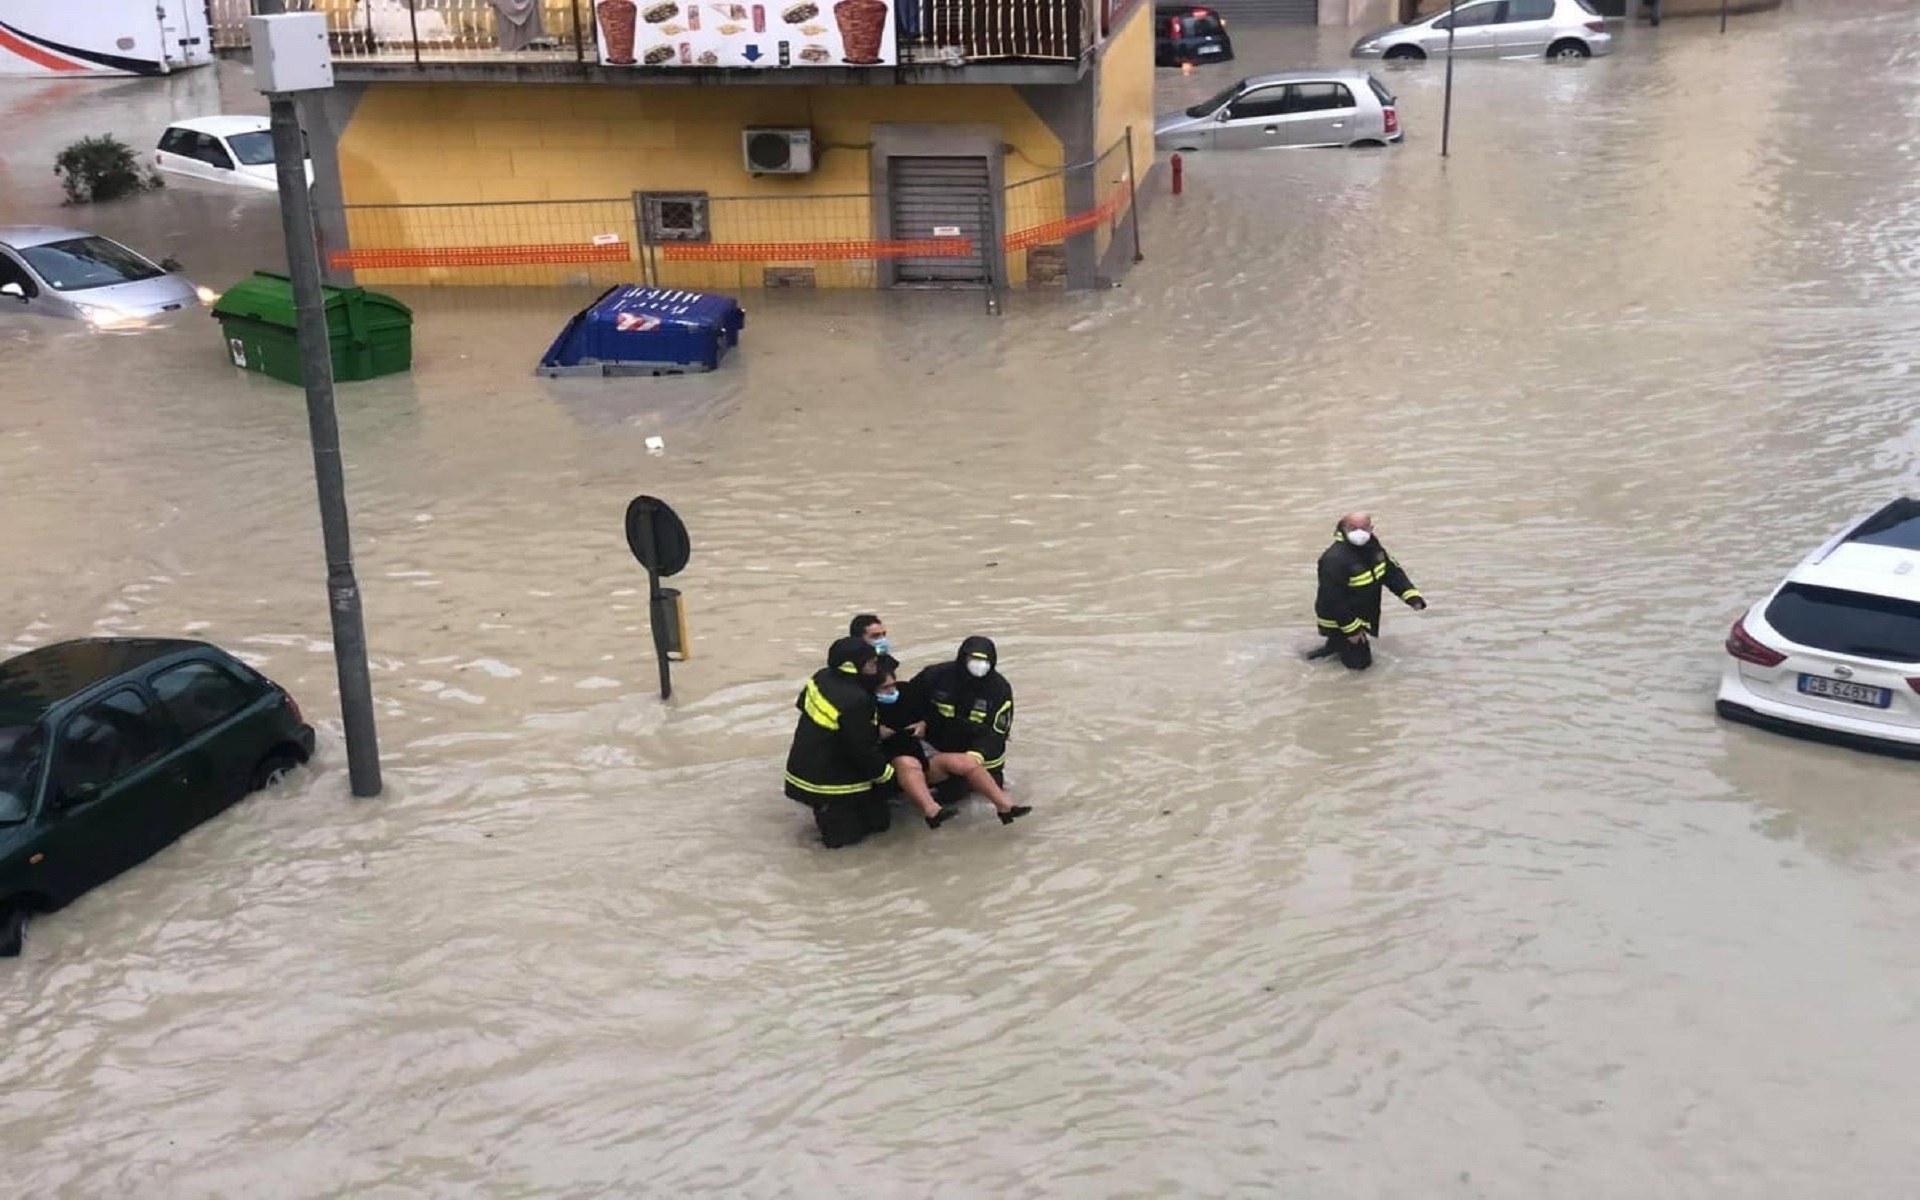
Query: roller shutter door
[[1267, 12], [929, 194]]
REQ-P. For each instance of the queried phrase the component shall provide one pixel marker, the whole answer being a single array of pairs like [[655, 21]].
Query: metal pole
[[1446, 110], [1133, 197], [316, 370], [579, 42], [1723, 16], [989, 248], [413, 24]]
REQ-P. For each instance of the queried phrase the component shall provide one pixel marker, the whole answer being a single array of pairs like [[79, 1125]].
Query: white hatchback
[[230, 150], [1834, 651]]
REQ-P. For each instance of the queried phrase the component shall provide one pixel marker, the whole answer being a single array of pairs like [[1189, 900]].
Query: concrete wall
[[1369, 13], [1124, 99]]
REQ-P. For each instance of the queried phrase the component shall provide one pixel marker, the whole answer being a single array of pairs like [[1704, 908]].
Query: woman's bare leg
[[913, 781], [975, 772]]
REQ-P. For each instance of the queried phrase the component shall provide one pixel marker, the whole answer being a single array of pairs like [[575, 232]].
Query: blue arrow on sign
[[752, 52]]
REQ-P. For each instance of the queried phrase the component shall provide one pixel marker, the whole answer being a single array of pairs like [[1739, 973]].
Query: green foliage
[[102, 168]]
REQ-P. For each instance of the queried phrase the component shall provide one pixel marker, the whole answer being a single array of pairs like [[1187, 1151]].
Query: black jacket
[[836, 745], [1350, 581], [966, 715]]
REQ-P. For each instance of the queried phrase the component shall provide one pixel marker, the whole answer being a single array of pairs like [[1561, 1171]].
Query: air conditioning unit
[[777, 151]]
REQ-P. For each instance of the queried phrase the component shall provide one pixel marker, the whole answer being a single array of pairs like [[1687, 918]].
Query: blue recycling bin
[[633, 330]]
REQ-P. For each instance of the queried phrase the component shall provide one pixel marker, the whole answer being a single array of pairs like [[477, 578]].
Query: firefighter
[[871, 630], [969, 707], [1352, 572], [836, 763]]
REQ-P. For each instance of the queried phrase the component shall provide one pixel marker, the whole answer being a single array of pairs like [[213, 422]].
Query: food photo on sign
[[685, 33]]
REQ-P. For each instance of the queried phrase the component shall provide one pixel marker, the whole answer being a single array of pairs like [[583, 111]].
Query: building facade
[[865, 143]]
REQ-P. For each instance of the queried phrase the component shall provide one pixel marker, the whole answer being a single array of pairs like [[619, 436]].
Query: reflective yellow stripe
[[993, 764], [1002, 727], [818, 708], [829, 789], [885, 775], [1326, 623], [1410, 593], [945, 710], [1372, 575], [1355, 625]]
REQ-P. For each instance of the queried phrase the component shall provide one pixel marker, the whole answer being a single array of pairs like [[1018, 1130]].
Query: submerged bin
[[370, 334], [646, 331]]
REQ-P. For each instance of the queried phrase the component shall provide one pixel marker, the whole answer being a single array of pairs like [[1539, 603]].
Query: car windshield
[[20, 747], [1207, 26], [87, 262], [1209, 107], [1844, 622]]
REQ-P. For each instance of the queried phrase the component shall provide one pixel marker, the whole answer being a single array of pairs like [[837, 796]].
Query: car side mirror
[[13, 289], [169, 263], [78, 794], [1225, 114]]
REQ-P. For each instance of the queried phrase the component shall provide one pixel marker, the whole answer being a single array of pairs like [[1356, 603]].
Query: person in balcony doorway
[[516, 23], [1352, 572]]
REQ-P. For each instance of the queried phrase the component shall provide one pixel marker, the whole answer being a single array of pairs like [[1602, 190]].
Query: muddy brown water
[[1511, 916]]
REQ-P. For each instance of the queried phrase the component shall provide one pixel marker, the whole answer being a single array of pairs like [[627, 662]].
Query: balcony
[[985, 41]]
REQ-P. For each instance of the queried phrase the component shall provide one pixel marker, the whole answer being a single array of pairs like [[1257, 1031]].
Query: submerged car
[[56, 272], [1187, 33], [111, 748], [1834, 651], [231, 150], [1558, 29], [1288, 110]]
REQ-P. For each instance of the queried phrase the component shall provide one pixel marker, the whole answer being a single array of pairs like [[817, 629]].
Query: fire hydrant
[[1179, 174]]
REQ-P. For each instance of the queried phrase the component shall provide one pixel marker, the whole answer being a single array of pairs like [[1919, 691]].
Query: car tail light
[[1914, 683], [1393, 120], [1596, 26], [1745, 647], [295, 706]]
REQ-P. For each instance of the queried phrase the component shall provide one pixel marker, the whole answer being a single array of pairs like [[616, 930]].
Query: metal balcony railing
[[428, 32]]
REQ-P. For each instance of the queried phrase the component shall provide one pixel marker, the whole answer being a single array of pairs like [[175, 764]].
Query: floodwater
[[1512, 915]]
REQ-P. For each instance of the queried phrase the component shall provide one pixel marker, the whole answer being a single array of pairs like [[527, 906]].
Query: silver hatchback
[[1288, 110], [1562, 29], [70, 273]]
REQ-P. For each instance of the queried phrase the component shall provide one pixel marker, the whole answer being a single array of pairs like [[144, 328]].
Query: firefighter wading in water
[[836, 765], [1352, 572]]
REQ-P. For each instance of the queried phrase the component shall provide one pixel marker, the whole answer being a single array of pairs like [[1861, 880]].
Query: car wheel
[[272, 769], [1568, 50], [1367, 144], [1405, 54], [13, 928]]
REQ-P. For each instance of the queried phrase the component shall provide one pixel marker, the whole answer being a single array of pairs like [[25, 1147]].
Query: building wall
[[1123, 101], [530, 150]]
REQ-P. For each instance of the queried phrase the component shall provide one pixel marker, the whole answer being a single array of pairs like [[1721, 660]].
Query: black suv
[[111, 748], [1186, 33]]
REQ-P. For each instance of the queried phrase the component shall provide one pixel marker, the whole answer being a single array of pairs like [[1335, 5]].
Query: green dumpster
[[371, 334]]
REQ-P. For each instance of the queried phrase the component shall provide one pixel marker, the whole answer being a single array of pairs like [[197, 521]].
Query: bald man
[[1352, 572]]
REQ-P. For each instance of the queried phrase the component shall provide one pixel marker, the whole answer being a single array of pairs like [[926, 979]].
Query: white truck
[[102, 37]]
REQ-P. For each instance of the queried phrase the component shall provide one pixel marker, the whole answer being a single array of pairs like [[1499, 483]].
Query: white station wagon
[[1834, 651]]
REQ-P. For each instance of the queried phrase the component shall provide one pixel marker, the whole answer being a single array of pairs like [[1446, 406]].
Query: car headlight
[[103, 318], [207, 295]]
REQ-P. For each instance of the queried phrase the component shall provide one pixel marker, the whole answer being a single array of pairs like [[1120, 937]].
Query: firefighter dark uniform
[[967, 713], [835, 765], [1351, 578]]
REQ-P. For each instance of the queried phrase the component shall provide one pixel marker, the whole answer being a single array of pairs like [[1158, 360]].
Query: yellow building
[[730, 145]]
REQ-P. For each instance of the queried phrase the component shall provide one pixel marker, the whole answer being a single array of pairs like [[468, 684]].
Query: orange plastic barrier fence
[[480, 256], [815, 251]]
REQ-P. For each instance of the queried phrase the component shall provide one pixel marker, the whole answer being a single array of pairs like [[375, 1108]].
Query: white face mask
[[978, 667], [1359, 537]]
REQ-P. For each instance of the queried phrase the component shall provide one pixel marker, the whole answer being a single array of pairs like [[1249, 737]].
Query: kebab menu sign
[[770, 33]]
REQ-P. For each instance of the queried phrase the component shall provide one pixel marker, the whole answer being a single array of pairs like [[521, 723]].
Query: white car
[[1834, 652], [1558, 29], [230, 150]]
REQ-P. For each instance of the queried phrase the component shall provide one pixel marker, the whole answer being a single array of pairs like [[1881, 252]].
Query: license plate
[[1840, 689], [1209, 49]]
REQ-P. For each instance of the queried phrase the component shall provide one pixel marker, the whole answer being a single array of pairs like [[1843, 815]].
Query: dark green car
[[111, 748]]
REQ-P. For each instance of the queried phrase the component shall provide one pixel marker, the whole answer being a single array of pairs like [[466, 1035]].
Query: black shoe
[[946, 814], [1322, 652], [1015, 813]]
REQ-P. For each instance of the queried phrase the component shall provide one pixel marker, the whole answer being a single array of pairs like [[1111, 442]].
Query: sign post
[[658, 540]]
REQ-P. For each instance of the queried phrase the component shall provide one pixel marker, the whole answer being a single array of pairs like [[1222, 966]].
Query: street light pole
[[1446, 109], [323, 426]]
